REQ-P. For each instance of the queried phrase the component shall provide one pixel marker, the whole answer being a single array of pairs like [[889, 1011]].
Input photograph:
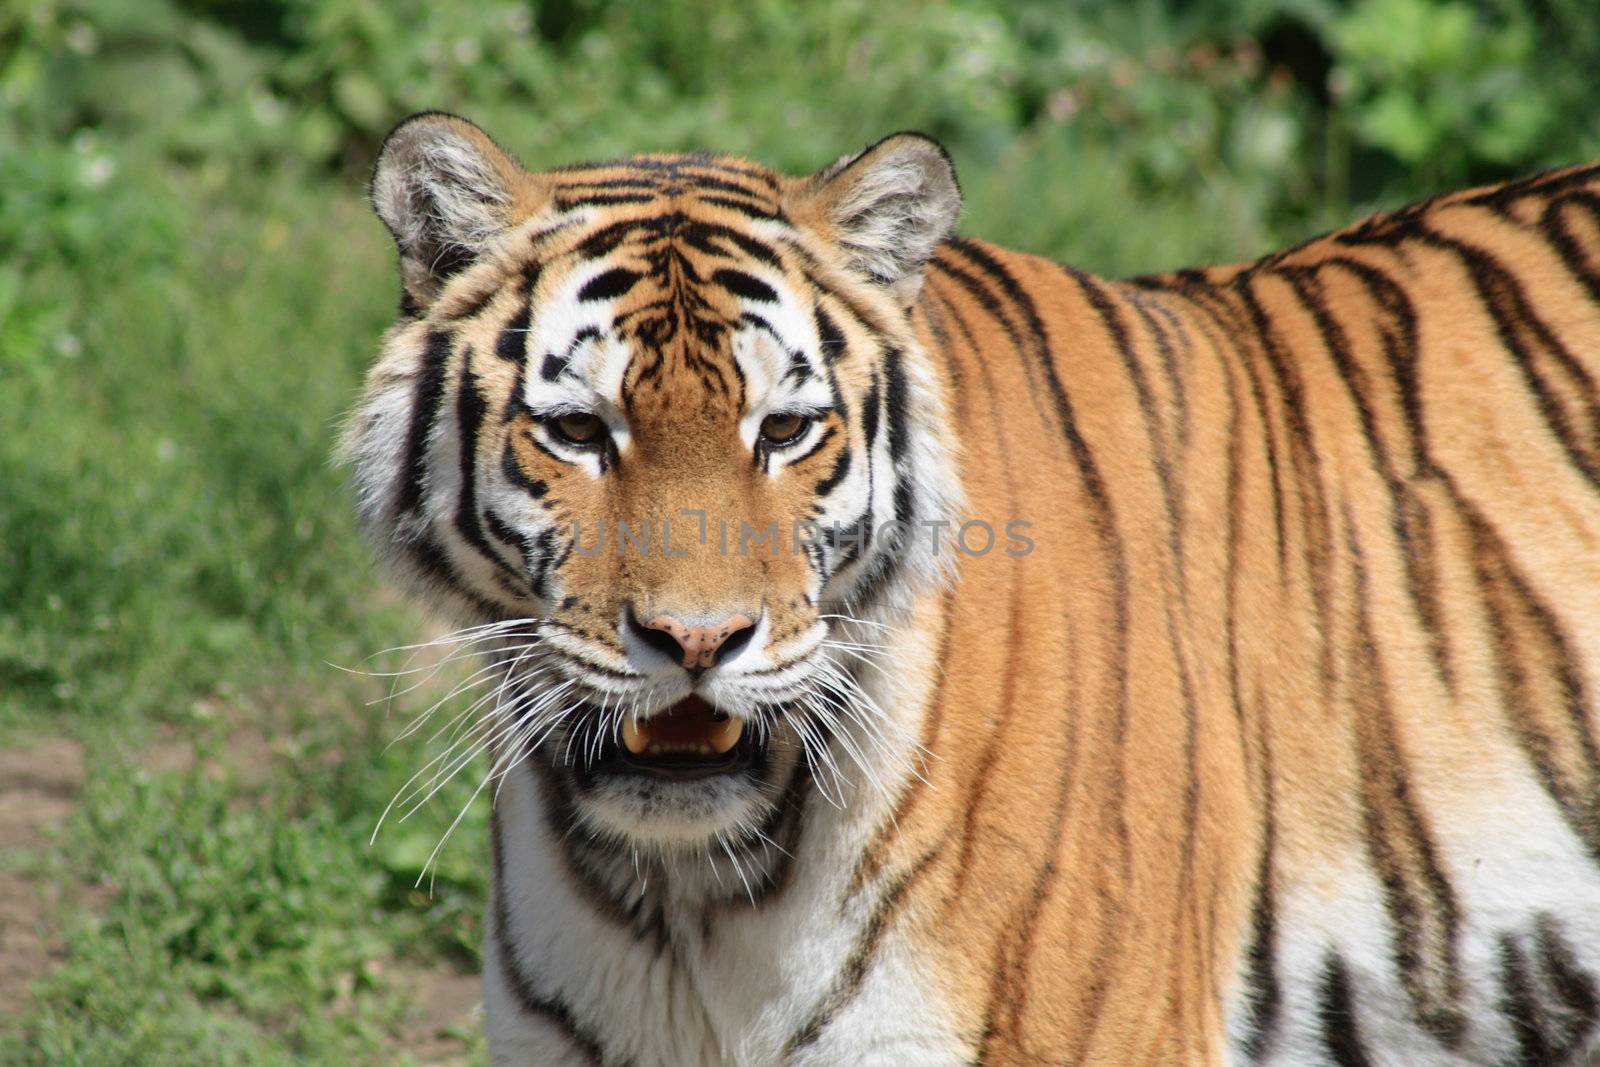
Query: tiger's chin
[[682, 779]]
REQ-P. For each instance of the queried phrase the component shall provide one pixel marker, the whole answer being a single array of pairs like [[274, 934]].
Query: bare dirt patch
[[39, 784], [443, 1004]]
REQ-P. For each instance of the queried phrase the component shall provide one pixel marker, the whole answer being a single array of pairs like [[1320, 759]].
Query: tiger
[[909, 651]]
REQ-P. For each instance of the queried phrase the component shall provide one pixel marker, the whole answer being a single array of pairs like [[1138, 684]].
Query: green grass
[[186, 566], [190, 288]]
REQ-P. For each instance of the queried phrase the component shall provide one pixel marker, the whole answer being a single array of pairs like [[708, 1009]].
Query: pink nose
[[700, 643]]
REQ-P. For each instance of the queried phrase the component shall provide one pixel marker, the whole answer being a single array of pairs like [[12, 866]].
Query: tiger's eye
[[580, 427], [781, 429]]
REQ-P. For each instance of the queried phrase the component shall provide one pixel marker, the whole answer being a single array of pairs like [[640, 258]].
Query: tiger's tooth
[[635, 736], [724, 735]]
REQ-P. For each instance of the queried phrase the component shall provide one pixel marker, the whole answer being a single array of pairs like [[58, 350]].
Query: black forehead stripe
[[739, 283], [696, 182], [631, 182], [702, 235], [554, 366], [799, 370], [610, 284], [751, 319], [512, 344], [513, 340], [744, 207], [748, 245], [831, 337], [609, 237], [567, 203], [676, 166], [424, 411], [674, 223]]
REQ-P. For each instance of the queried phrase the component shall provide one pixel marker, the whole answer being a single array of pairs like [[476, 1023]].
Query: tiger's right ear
[[446, 191]]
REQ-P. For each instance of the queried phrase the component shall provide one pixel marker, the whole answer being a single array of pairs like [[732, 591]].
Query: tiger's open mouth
[[691, 739]]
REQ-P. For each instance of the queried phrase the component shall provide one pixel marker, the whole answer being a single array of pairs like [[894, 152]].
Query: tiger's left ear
[[887, 208]]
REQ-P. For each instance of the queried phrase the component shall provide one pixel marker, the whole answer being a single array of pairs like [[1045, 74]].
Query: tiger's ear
[[445, 190], [887, 208]]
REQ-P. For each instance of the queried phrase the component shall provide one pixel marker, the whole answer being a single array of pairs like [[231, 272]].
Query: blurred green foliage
[[190, 288]]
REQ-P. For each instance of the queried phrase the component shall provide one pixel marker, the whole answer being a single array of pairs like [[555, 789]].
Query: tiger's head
[[662, 427]]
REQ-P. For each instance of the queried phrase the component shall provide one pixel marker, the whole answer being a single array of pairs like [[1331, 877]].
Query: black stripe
[[1519, 1001], [1306, 464], [424, 411], [829, 336], [741, 284], [699, 235], [534, 559], [512, 344], [1417, 893], [852, 975], [1228, 327], [471, 409], [512, 469], [841, 467], [552, 366], [1094, 292], [474, 304], [870, 412], [744, 207], [551, 1010], [1408, 516], [1336, 1013], [894, 401], [647, 185], [1263, 996], [567, 203], [1104, 523], [1584, 267], [1574, 986], [544, 560], [431, 562], [608, 285], [1515, 321]]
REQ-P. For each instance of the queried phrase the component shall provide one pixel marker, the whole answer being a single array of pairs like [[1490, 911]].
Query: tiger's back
[[1300, 699]]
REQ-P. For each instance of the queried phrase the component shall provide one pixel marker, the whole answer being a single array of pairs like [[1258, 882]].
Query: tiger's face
[[648, 421]]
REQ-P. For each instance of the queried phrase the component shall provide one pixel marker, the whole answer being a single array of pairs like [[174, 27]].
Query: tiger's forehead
[[728, 182], [670, 280]]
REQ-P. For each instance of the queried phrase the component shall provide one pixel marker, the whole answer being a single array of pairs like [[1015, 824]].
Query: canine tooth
[[724, 735], [635, 736]]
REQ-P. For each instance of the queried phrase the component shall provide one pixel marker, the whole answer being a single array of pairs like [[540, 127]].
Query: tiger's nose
[[697, 647]]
